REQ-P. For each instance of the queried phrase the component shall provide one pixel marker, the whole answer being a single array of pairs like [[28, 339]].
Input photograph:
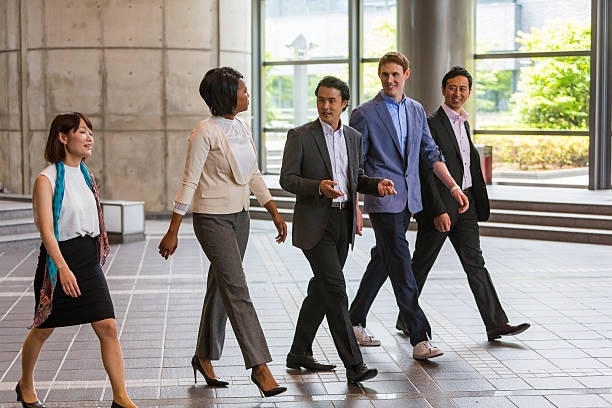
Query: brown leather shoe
[[507, 330]]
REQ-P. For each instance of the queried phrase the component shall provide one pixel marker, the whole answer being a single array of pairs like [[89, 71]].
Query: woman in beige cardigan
[[220, 171]]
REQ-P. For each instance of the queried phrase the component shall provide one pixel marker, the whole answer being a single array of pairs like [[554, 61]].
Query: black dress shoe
[[213, 382], [298, 361], [24, 404], [507, 330], [359, 373], [401, 326]]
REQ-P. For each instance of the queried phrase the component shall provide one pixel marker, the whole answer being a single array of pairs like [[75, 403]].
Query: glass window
[[532, 25], [299, 40], [370, 80], [513, 153], [533, 93], [379, 27], [305, 29], [289, 92]]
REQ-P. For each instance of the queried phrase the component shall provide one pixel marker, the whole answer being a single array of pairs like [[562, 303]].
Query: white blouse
[[79, 214], [240, 142]]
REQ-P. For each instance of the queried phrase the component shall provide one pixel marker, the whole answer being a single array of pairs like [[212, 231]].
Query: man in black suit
[[323, 166], [440, 219]]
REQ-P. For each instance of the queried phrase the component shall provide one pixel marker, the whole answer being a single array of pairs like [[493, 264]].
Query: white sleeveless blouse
[[79, 214]]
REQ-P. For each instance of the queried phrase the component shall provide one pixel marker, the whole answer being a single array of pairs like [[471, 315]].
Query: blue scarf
[[58, 197]]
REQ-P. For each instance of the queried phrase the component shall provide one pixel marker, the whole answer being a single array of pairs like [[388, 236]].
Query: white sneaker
[[363, 338], [424, 350]]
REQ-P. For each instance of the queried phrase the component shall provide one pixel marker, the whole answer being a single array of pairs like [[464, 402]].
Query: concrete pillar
[[11, 149], [435, 35], [133, 66]]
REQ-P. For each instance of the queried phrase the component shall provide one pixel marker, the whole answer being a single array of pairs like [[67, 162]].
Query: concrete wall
[[133, 66]]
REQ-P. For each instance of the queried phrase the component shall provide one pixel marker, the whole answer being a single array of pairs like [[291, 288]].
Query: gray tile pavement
[[563, 360]]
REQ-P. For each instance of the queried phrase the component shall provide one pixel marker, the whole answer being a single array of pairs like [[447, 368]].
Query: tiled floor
[[564, 360]]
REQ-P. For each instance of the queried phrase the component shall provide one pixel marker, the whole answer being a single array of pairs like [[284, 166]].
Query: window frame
[[600, 95], [355, 61]]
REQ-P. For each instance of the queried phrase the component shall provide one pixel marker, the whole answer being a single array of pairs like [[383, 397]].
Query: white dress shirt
[[457, 121], [336, 146]]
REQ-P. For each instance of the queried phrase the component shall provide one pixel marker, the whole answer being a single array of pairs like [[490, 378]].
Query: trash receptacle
[[486, 162]]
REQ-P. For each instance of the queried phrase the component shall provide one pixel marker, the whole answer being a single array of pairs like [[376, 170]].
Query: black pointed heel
[[24, 404], [268, 393], [115, 405], [213, 382]]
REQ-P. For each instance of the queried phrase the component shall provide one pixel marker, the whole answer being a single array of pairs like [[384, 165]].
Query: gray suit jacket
[[306, 162]]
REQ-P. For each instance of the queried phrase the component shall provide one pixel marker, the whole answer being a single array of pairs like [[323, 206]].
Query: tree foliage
[[493, 90], [553, 93]]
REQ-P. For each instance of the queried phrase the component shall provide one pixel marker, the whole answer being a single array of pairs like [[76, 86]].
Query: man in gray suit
[[323, 166]]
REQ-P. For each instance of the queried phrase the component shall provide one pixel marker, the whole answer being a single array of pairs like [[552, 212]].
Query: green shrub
[[537, 152]]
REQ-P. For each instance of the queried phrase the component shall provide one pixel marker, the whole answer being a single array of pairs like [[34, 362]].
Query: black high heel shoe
[[24, 404], [268, 393], [115, 405], [213, 382]]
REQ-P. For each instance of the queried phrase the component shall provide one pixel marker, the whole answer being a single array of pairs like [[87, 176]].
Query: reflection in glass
[[302, 29], [379, 27], [536, 93], [503, 26]]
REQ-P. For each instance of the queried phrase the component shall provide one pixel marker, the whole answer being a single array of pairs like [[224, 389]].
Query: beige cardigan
[[212, 182]]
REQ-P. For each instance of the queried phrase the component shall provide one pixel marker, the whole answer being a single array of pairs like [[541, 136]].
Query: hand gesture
[[442, 222], [359, 226], [281, 227], [168, 244], [385, 188], [326, 187], [69, 282], [462, 199]]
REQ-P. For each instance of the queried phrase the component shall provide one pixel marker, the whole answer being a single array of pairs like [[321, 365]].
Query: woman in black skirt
[[69, 286]]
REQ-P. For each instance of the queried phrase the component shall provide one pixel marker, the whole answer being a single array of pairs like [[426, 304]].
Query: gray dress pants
[[223, 238]]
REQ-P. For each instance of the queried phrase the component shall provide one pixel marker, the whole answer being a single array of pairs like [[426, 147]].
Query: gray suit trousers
[[223, 238]]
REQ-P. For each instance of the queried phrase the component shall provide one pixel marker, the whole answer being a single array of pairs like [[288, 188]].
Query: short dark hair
[[333, 82], [219, 88], [396, 58], [63, 123], [455, 72]]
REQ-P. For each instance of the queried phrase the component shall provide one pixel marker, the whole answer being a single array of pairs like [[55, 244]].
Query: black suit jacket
[[436, 197], [306, 162]]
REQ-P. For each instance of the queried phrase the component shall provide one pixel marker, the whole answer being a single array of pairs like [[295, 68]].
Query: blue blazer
[[383, 157]]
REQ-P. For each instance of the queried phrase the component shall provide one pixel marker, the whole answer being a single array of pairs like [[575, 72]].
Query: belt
[[340, 205], [467, 191]]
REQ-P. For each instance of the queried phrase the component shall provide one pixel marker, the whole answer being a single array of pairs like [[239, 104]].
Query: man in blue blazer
[[395, 137]]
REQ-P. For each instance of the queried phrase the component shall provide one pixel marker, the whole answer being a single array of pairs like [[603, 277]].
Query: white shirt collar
[[453, 115], [328, 130]]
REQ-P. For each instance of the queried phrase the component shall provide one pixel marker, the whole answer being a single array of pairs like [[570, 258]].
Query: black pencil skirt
[[94, 304]]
